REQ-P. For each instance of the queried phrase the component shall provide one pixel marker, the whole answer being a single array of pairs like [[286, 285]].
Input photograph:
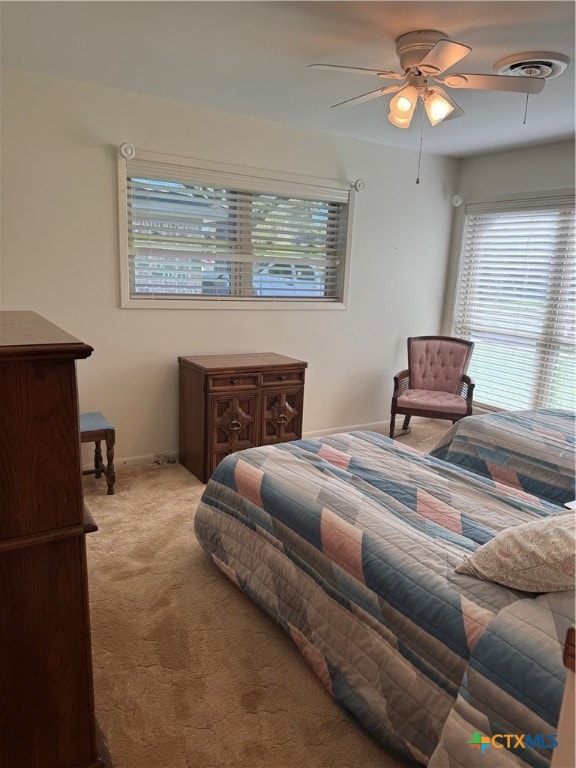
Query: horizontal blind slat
[[196, 232], [515, 299]]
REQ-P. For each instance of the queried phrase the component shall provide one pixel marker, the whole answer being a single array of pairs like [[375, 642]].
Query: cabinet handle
[[233, 381], [234, 426], [281, 418], [282, 378]]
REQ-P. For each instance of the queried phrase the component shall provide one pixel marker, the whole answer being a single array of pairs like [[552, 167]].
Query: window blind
[[199, 233], [516, 300]]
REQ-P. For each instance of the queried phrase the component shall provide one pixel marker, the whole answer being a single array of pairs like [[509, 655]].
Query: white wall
[[60, 256], [547, 167], [501, 175]]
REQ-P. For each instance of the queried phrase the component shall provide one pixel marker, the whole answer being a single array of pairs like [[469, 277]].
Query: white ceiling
[[251, 58]]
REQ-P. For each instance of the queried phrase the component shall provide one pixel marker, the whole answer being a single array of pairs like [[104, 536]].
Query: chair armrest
[[466, 389], [401, 382]]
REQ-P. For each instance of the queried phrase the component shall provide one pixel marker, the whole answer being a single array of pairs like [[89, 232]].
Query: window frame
[[537, 201], [283, 183]]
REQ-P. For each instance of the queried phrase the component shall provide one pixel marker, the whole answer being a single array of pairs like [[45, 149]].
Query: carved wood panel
[[281, 416], [232, 402], [233, 425]]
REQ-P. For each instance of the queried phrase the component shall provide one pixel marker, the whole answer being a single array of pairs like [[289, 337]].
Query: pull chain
[[526, 107], [533, 71], [420, 152]]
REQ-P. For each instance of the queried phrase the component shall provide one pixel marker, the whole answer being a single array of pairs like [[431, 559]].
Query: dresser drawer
[[232, 382], [284, 378]]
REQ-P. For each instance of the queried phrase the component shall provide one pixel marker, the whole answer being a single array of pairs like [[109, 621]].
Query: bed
[[350, 542], [530, 450]]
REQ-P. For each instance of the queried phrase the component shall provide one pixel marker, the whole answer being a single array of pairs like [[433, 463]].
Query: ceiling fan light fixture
[[426, 56], [437, 107], [404, 103], [400, 122]]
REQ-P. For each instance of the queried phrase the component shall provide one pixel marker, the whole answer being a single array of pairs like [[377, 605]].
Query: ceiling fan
[[425, 55]]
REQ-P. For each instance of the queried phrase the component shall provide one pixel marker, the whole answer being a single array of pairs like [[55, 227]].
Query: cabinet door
[[281, 416], [232, 425]]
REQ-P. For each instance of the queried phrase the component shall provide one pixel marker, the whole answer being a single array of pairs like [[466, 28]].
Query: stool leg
[[110, 473], [98, 465]]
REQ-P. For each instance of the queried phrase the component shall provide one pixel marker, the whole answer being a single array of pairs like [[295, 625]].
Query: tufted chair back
[[437, 362]]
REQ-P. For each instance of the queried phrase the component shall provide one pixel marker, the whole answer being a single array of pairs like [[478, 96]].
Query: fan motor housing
[[413, 46]]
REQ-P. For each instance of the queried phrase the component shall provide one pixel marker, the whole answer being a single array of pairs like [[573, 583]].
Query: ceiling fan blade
[[444, 55], [370, 95], [360, 71], [513, 83]]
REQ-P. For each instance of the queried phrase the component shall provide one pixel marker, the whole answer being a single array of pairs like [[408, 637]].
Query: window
[[516, 300], [200, 234]]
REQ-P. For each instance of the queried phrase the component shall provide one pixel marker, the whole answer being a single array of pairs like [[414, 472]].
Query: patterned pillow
[[533, 557]]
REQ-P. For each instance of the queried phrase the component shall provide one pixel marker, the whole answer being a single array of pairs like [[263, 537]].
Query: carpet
[[188, 672]]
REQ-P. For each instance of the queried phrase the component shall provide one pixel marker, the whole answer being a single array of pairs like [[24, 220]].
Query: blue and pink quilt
[[350, 543], [532, 450]]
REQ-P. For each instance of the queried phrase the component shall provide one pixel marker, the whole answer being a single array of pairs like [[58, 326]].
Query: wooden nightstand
[[232, 402]]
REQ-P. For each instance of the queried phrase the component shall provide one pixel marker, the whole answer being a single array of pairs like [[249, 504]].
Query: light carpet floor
[[188, 672]]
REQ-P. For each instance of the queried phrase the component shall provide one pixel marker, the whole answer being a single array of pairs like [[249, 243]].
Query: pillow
[[533, 557]]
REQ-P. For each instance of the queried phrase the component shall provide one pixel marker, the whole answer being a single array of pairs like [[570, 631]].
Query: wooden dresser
[[46, 693], [232, 402]]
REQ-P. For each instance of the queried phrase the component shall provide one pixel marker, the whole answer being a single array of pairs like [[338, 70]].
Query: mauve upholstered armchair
[[435, 383]]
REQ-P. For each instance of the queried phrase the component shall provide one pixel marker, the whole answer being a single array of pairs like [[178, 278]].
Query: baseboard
[[171, 457], [376, 426], [162, 457]]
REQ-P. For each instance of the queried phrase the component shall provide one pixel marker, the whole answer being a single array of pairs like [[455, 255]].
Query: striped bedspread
[[350, 542], [531, 450], [513, 685]]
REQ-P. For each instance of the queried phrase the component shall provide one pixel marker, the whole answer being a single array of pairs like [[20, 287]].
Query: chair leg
[[406, 423], [110, 473], [98, 459], [392, 423]]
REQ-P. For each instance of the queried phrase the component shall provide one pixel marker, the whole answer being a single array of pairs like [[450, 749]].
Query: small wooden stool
[[94, 428]]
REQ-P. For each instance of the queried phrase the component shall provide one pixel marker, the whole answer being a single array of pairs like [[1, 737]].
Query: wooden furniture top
[[259, 360], [28, 335]]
